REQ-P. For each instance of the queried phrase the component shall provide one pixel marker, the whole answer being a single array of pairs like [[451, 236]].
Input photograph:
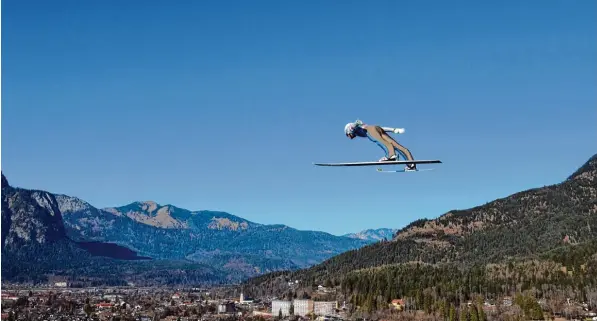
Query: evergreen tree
[[535, 311], [443, 309], [463, 314], [473, 313], [481, 312], [452, 315], [427, 302]]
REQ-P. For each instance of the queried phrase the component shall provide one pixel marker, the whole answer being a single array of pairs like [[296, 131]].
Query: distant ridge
[[374, 235]]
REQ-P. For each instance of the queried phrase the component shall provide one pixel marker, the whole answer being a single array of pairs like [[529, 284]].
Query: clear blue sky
[[225, 105]]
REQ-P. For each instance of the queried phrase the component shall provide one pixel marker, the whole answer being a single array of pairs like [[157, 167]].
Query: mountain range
[[231, 247], [543, 232], [45, 234]]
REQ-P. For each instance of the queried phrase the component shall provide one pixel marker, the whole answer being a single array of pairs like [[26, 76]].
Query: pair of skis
[[379, 163]]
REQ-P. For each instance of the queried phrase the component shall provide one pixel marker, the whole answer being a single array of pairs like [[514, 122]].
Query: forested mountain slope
[[533, 224]]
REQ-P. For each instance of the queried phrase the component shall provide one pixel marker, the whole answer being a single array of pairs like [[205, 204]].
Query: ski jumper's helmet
[[349, 128]]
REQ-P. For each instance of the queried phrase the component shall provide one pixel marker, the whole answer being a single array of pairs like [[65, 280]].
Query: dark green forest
[[428, 285]]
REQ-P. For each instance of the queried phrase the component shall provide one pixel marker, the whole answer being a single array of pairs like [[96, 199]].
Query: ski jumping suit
[[378, 135]]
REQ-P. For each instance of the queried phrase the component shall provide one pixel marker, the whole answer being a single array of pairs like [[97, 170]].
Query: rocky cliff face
[[35, 240], [29, 217]]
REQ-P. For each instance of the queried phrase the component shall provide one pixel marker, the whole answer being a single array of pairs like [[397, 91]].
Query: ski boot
[[389, 159]]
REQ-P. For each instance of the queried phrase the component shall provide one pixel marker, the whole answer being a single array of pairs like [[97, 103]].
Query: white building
[[325, 308], [111, 297], [244, 300], [303, 307], [60, 284], [227, 307], [278, 306]]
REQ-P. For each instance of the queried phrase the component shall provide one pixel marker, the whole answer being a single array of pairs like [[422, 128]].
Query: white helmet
[[349, 128]]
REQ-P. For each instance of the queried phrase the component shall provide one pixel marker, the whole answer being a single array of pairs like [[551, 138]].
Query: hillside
[[530, 225]]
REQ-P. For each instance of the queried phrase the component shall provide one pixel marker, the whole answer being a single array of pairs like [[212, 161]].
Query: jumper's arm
[[358, 122], [394, 130]]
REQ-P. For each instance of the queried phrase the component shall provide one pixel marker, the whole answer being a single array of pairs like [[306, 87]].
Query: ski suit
[[378, 135]]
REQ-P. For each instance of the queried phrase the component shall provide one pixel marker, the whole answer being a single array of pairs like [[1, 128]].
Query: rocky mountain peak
[[150, 213], [4, 181], [29, 217], [149, 206]]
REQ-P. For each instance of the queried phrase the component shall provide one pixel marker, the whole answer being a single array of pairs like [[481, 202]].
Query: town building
[[226, 307], [325, 308], [244, 300], [303, 307], [278, 305]]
